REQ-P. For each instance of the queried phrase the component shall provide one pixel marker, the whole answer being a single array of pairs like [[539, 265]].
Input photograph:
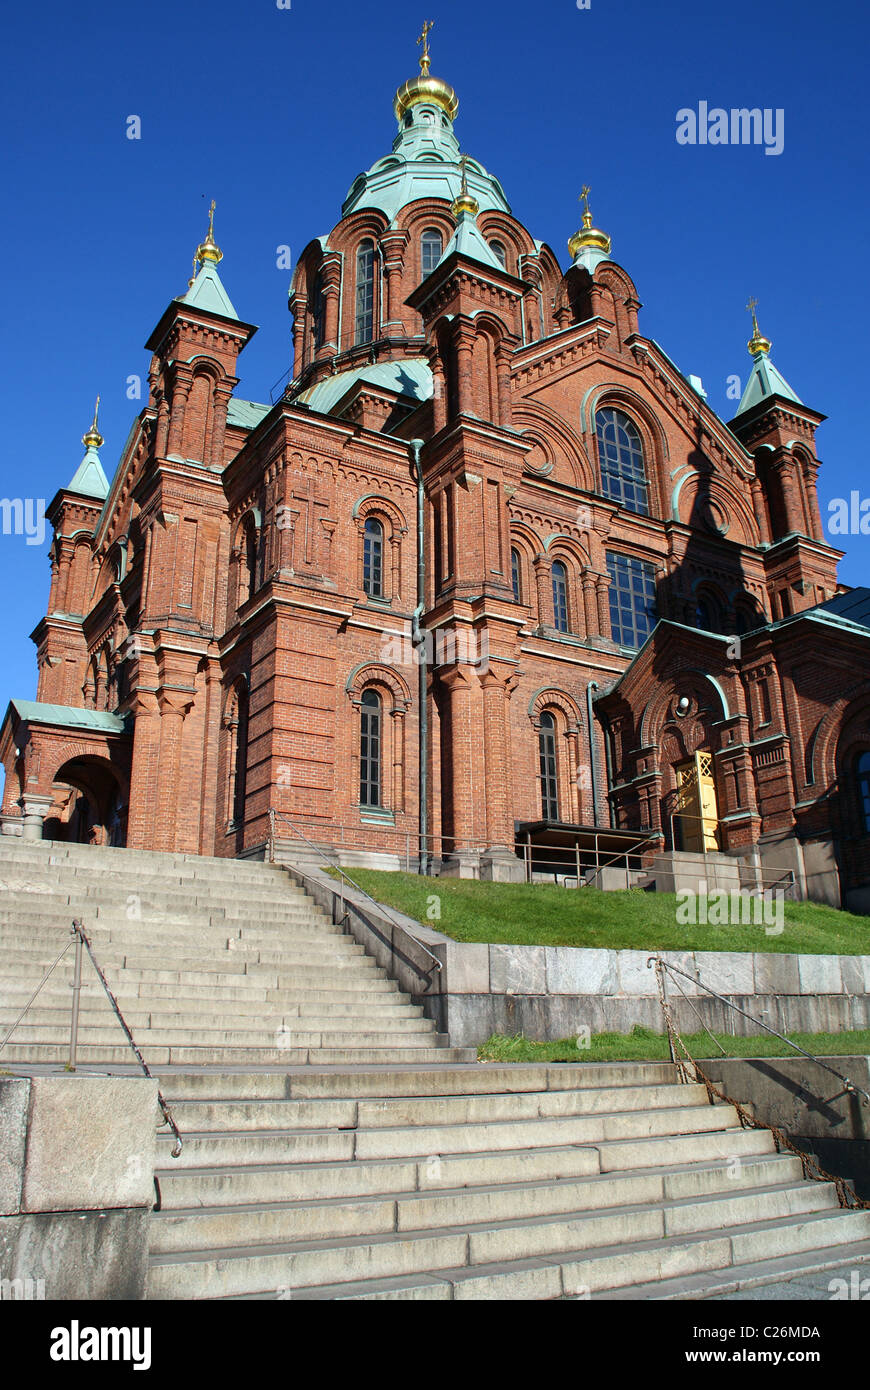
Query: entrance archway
[[93, 804]]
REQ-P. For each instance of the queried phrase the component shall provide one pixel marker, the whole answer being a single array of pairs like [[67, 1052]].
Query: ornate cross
[[752, 306], [306, 493], [584, 197], [424, 37], [424, 40]]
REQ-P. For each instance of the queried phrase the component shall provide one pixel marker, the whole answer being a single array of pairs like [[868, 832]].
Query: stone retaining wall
[[76, 1185]]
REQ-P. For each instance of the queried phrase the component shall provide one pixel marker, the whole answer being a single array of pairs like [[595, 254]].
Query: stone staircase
[[351, 1156], [480, 1182], [211, 960]]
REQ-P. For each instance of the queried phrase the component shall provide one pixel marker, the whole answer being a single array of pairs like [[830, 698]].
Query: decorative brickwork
[[219, 601]]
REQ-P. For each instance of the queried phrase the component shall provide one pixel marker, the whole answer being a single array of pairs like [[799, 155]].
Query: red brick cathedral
[[488, 582]]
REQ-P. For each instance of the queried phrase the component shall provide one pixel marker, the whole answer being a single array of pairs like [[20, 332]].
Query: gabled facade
[[489, 563]]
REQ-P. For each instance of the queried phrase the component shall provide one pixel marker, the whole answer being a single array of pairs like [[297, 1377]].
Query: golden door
[[697, 809]]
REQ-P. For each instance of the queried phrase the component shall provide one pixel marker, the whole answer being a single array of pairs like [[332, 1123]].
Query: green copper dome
[[424, 164]]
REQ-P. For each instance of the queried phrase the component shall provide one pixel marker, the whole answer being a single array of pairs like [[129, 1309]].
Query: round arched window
[[620, 458], [431, 248], [370, 749]]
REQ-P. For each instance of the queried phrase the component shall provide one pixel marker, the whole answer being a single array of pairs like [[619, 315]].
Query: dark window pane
[[431, 247], [549, 778], [370, 750], [365, 292], [373, 558], [515, 576], [560, 597], [632, 599]]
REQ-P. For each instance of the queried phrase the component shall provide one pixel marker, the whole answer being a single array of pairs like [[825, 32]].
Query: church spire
[[205, 289], [425, 89], [93, 438], [757, 343], [465, 202], [764, 379], [89, 480], [589, 245], [208, 250]]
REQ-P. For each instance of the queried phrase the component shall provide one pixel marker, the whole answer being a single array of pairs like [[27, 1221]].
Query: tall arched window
[[516, 580], [373, 558], [431, 248], [549, 774], [249, 576], [364, 322], [620, 456], [318, 311], [560, 597], [370, 749], [499, 252], [863, 770]]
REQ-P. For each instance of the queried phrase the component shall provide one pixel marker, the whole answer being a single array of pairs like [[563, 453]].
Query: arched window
[[516, 580], [431, 248], [560, 597], [370, 749], [373, 558], [499, 252], [249, 577], [708, 614], [364, 322], [318, 310], [863, 771], [549, 774], [620, 456]]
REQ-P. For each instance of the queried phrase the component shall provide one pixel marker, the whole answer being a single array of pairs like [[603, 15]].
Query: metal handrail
[[659, 963], [624, 854], [385, 911], [80, 939], [361, 838]]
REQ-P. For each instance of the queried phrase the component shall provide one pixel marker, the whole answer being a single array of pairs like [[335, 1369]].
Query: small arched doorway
[[93, 804]]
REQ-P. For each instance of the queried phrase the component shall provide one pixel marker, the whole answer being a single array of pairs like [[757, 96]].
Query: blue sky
[[273, 112]]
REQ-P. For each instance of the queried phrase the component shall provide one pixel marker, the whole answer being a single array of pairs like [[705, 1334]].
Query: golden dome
[[588, 235], [757, 343], [425, 88], [208, 250], [465, 201], [93, 438], [429, 89]]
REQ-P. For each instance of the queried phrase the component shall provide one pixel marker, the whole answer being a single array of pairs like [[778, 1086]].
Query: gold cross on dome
[[584, 196], [752, 306], [424, 37]]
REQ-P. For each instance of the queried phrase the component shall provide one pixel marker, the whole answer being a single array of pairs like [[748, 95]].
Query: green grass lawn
[[539, 914], [642, 1045]]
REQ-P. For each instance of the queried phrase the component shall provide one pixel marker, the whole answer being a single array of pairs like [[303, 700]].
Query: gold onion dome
[[93, 439], [425, 88], [588, 235], [208, 250], [465, 202], [757, 343]]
